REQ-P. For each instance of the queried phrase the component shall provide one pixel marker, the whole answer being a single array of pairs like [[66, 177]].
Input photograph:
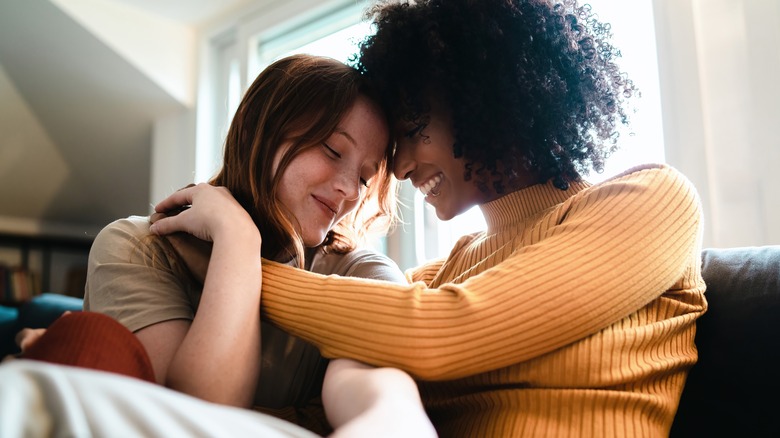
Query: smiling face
[[425, 156], [325, 182]]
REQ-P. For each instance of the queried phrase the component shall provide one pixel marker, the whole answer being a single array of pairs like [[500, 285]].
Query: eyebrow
[[354, 143]]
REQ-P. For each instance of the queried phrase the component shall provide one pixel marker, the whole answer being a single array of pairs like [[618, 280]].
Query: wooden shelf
[[47, 245]]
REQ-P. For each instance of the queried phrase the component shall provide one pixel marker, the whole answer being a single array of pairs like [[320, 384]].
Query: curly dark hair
[[530, 83]]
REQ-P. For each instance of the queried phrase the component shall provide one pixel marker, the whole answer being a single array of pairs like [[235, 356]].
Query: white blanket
[[38, 399]]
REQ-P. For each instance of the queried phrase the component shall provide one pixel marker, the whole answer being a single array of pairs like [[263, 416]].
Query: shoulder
[[660, 182], [363, 263], [132, 227], [652, 176], [643, 196], [121, 239]]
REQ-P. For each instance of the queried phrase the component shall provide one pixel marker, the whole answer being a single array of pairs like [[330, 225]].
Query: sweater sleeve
[[602, 255]]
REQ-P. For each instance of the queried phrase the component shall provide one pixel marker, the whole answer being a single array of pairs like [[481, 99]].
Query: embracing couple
[[572, 314]]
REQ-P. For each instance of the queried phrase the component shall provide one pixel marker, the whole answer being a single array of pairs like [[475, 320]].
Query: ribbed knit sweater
[[572, 315]]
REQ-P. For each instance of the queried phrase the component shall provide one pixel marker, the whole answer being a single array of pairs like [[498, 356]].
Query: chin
[[314, 241], [444, 216]]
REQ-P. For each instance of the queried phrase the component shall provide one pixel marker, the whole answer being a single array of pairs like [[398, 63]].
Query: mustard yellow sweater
[[573, 315]]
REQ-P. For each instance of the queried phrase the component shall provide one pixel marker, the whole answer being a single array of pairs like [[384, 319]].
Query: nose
[[403, 163], [348, 184]]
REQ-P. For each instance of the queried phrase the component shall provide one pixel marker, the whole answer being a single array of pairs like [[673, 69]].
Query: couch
[[36, 313], [733, 390]]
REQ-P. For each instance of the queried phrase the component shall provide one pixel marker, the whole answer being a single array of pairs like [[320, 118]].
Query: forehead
[[364, 126]]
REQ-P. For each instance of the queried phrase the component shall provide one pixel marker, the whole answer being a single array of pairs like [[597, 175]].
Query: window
[[336, 32], [219, 101], [633, 30], [336, 35]]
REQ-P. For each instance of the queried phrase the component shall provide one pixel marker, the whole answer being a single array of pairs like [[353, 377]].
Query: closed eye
[[414, 131], [332, 152]]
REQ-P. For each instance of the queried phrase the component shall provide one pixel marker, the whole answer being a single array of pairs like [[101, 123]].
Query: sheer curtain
[[719, 65]]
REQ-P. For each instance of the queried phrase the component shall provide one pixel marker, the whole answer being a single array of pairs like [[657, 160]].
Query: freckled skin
[[320, 180]]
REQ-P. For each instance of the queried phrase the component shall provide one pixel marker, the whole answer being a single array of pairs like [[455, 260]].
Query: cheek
[[301, 171], [292, 185], [285, 193], [303, 175], [310, 168]]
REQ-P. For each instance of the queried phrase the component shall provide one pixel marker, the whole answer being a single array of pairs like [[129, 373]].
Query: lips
[[331, 206]]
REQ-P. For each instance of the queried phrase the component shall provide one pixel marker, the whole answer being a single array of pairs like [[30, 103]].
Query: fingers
[[170, 207], [26, 337], [201, 210], [165, 225], [157, 216], [175, 201], [180, 199]]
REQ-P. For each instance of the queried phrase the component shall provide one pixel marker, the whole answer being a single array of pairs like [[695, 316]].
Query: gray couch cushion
[[734, 389]]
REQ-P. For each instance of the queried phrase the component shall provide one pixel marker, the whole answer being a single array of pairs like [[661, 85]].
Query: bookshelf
[[36, 263]]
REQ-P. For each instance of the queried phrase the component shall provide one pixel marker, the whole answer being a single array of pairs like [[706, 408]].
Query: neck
[[516, 180]]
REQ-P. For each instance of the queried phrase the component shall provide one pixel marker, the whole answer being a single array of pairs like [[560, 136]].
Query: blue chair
[[39, 312]]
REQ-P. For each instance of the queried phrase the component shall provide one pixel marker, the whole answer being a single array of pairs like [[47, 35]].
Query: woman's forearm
[[361, 400], [218, 359]]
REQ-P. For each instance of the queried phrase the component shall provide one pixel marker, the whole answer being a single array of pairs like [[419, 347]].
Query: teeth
[[428, 186]]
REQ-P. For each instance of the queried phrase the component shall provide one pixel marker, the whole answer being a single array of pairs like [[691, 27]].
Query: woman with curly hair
[[574, 313]]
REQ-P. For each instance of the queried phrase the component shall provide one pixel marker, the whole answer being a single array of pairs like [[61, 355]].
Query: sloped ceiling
[[76, 135], [190, 12]]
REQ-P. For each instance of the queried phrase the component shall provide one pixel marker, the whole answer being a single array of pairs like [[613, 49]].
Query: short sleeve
[[362, 263], [132, 277]]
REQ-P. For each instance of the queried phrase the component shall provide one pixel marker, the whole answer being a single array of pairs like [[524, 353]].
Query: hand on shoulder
[[205, 211]]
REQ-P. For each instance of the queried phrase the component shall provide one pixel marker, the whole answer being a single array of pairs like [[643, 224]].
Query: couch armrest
[[9, 323], [43, 309], [732, 389]]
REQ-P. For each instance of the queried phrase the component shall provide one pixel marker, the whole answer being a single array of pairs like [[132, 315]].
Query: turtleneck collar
[[526, 202]]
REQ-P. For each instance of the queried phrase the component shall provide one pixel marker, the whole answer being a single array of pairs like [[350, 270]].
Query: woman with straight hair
[[307, 162]]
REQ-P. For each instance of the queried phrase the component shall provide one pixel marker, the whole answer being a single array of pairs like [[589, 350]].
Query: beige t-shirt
[[135, 278]]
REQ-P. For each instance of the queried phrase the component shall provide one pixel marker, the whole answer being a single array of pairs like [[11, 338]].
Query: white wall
[[31, 164], [173, 155], [162, 48]]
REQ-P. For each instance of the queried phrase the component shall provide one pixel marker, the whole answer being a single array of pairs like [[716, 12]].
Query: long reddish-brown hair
[[298, 100]]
